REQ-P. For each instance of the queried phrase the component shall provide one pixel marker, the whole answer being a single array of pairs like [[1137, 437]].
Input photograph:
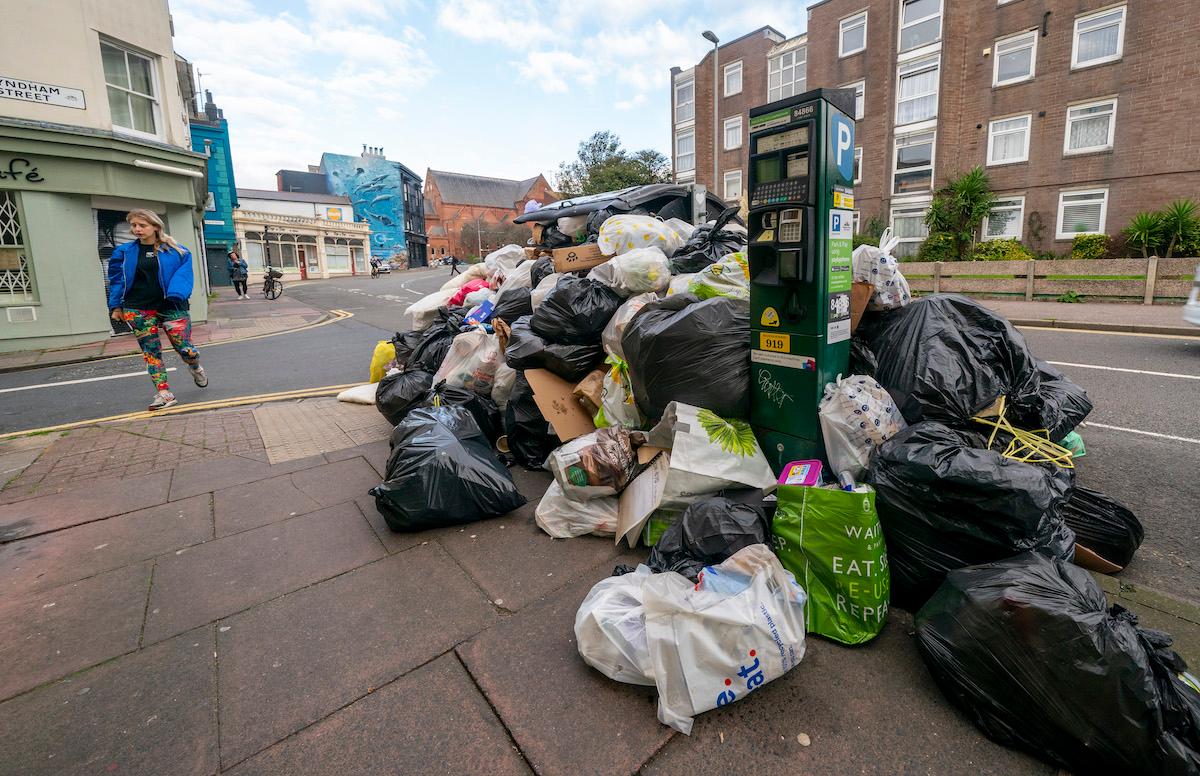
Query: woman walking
[[238, 272], [149, 282]]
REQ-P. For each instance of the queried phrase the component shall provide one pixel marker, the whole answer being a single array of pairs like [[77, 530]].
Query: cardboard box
[[577, 257], [588, 392], [641, 497], [538, 231], [531, 254], [553, 396], [860, 294]]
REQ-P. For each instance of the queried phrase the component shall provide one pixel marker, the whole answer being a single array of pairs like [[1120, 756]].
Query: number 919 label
[[778, 343]]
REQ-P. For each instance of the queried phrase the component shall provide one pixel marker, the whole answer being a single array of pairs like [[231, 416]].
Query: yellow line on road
[[237, 401]]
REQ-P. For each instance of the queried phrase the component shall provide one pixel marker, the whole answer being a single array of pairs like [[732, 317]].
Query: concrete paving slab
[[224, 576], [566, 717], [432, 721], [288, 663], [337, 483], [392, 541], [216, 474], [376, 453], [532, 484], [254, 504], [42, 562], [51, 634], [150, 712], [867, 709], [81, 504]]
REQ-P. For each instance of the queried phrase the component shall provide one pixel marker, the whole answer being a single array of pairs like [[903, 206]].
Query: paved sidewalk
[[213, 603], [229, 318], [1104, 316]]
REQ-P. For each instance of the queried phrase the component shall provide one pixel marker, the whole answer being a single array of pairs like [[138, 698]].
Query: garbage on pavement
[[707, 533], [1104, 527], [1029, 648], [400, 391], [710, 243], [385, 351], [481, 406], [611, 337], [610, 628], [528, 350], [441, 472], [617, 405], [471, 362], [575, 312], [640, 271], [728, 277], [530, 437], [625, 233], [877, 266], [857, 415], [359, 394], [566, 518], [598, 464]]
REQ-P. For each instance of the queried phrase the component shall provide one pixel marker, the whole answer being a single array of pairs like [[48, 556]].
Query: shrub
[[1144, 232], [1180, 224], [939, 246], [959, 207], [866, 239], [1001, 250], [1070, 297], [1089, 246]]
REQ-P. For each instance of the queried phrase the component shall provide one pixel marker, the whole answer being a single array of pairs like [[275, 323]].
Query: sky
[[504, 89]]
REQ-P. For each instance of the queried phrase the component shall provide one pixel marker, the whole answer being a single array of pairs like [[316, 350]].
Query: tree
[[1144, 232], [603, 165], [1180, 224], [478, 236], [959, 208]]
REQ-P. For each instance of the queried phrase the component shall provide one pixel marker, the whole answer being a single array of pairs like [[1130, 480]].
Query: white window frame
[[1063, 235], [689, 81], [900, 20], [1033, 36], [860, 98], [729, 69], [155, 99], [1075, 63], [794, 86], [726, 125], [1017, 204], [915, 67], [992, 137], [691, 171], [725, 178], [851, 22], [1112, 128], [896, 160], [858, 157], [909, 209]]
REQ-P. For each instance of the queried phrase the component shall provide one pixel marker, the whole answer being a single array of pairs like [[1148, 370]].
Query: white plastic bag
[[615, 328], [518, 278], [638, 271], [680, 283], [610, 628], [503, 260], [477, 297], [456, 282], [877, 267], [715, 642], [617, 406], [471, 362], [543, 289], [564, 518], [622, 233], [729, 277], [857, 415], [594, 465], [503, 383], [359, 394], [571, 226], [424, 310]]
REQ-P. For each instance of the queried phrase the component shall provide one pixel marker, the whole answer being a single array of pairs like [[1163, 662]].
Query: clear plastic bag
[[877, 267], [617, 405], [610, 628], [472, 362], [564, 518], [616, 325], [543, 289], [624, 233], [728, 277], [639, 271], [857, 415], [502, 384]]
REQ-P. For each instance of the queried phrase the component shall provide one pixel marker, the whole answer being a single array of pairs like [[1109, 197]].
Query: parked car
[[385, 267], [1191, 310]]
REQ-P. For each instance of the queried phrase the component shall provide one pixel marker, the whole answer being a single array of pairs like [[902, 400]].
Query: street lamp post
[[267, 247], [711, 36]]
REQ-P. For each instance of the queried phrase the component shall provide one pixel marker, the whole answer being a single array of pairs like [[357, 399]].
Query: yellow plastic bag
[[385, 351]]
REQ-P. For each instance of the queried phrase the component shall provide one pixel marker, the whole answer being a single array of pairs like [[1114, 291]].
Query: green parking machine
[[801, 226]]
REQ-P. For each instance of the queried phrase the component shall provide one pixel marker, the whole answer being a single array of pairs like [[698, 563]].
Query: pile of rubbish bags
[[947, 485]]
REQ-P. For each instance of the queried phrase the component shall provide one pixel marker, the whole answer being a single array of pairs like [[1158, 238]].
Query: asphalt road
[[1131, 454]]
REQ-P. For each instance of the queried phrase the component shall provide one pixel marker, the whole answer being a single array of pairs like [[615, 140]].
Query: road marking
[[76, 382], [1120, 369], [237, 401], [1143, 433], [1065, 330]]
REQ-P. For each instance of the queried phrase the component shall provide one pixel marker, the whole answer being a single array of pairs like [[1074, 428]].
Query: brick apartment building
[[454, 201], [1082, 112]]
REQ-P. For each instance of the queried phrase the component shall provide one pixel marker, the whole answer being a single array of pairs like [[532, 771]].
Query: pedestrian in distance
[[454, 270], [239, 271], [149, 282]]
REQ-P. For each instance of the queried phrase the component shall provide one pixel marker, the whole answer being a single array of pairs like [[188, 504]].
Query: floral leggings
[[177, 325]]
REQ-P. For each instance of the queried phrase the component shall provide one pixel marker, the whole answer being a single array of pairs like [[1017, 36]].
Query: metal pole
[[709, 35]]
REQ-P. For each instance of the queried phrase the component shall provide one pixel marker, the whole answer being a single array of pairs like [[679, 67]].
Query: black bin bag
[[944, 503], [575, 311], [431, 351], [1103, 525], [708, 244], [530, 437], [1030, 650], [400, 392], [482, 408], [442, 471], [707, 533], [526, 350], [512, 304], [1064, 404], [696, 352], [542, 267]]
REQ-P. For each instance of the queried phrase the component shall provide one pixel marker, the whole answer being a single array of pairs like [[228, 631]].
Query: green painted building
[[64, 192]]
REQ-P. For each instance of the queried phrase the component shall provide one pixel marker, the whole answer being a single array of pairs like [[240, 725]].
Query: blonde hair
[[160, 234]]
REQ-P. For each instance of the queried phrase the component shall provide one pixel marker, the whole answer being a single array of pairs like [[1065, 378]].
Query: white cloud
[[223, 8], [551, 70], [515, 24], [634, 102]]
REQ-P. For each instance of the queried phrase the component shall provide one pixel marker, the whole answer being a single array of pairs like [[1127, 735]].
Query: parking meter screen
[[767, 170]]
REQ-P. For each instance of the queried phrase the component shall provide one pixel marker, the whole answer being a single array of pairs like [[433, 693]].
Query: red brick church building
[[467, 214]]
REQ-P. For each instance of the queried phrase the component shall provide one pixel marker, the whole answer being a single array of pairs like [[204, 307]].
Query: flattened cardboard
[[538, 229], [588, 392], [553, 396], [1085, 558], [860, 294], [641, 497], [531, 254], [646, 453], [577, 257]]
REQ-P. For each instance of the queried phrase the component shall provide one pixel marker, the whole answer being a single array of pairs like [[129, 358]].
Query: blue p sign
[[841, 140]]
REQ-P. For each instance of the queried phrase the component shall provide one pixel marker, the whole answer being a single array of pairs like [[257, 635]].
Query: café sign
[[49, 94]]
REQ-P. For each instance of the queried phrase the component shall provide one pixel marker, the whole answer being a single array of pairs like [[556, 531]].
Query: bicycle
[[374, 271], [272, 287]]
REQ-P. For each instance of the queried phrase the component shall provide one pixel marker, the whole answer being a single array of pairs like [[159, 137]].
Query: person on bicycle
[[149, 282], [374, 267]]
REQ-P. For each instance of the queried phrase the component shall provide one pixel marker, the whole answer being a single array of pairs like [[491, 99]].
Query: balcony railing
[[279, 219]]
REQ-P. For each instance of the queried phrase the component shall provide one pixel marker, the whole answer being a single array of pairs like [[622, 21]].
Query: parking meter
[[800, 220]]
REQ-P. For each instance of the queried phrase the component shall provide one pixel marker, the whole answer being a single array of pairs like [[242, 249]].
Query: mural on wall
[[374, 187]]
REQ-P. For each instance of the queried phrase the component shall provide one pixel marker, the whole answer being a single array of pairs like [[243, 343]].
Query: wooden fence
[[1149, 281]]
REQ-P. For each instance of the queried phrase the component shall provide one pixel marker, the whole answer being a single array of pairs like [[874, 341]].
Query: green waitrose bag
[[832, 542]]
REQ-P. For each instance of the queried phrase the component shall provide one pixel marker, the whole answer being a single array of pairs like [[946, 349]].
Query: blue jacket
[[174, 272]]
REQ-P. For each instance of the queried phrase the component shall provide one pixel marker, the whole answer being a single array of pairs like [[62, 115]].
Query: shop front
[[302, 247]]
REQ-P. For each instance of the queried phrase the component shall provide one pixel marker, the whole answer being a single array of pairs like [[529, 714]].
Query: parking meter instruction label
[[841, 240]]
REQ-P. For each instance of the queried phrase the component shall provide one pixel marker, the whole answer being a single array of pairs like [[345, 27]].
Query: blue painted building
[[210, 135]]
